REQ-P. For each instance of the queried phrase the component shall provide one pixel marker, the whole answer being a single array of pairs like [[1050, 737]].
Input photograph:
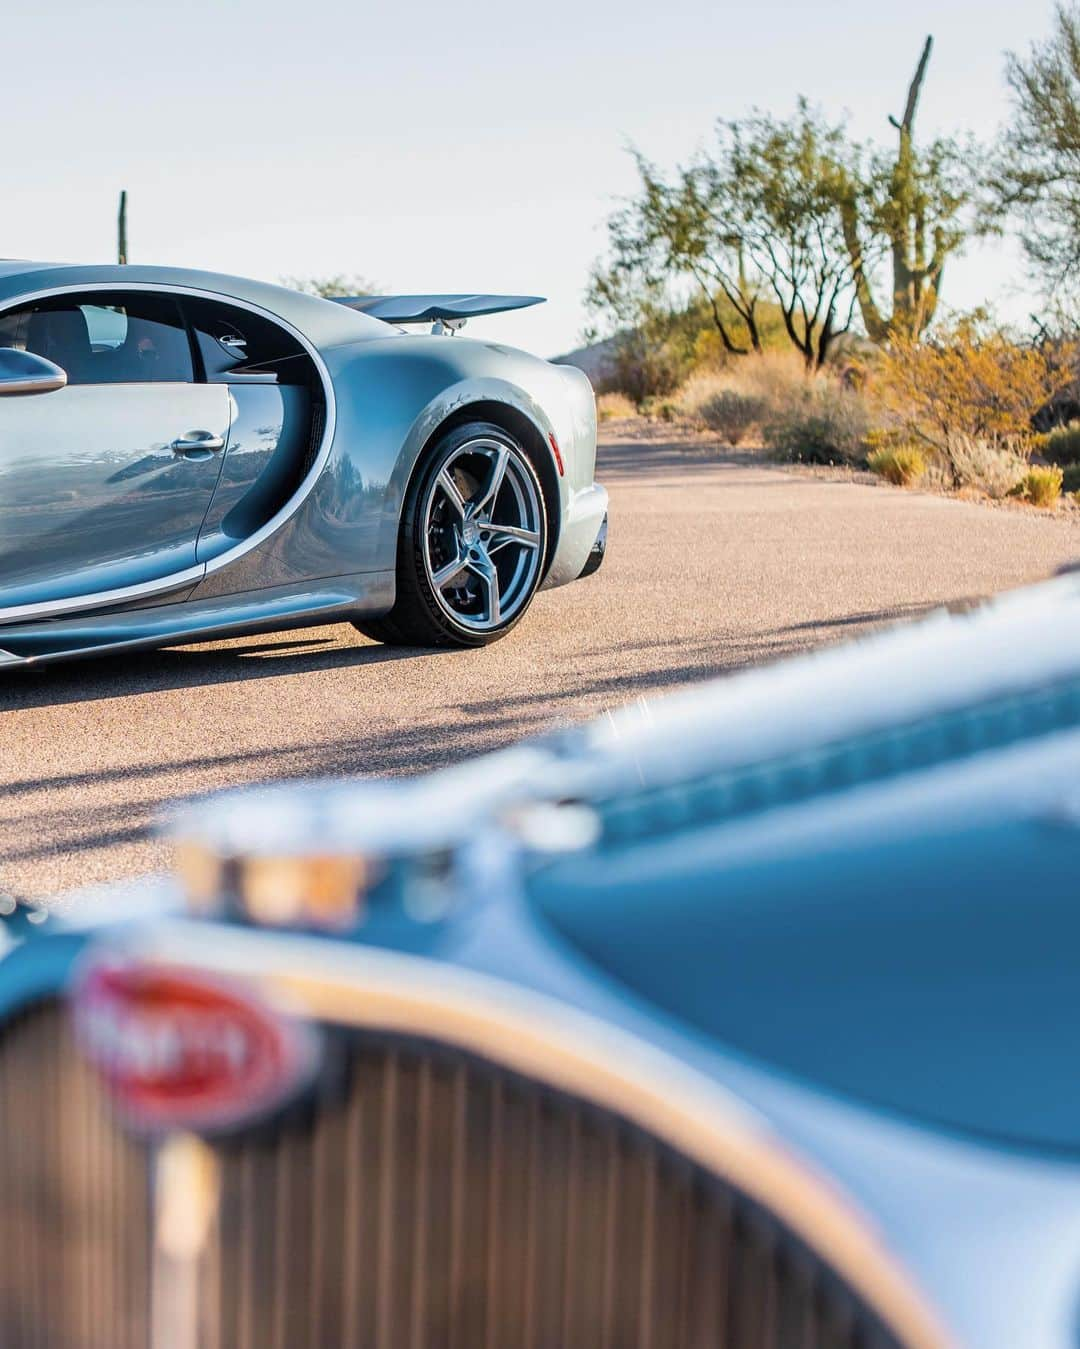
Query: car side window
[[118, 338], [236, 345]]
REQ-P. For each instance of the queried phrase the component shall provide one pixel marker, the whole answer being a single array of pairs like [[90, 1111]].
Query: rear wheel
[[472, 543]]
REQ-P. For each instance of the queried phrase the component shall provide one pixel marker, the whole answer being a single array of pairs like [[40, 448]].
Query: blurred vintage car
[[743, 1018]]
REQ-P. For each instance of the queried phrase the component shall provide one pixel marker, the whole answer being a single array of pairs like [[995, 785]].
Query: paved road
[[714, 563]]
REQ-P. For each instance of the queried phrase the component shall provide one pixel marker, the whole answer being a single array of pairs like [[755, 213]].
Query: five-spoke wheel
[[483, 533], [473, 543]]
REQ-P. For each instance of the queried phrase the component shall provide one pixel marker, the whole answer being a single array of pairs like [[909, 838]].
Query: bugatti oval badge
[[179, 1050]]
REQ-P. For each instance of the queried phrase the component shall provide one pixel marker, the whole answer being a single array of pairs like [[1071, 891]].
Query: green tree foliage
[[909, 207], [331, 286], [1037, 174], [660, 340], [753, 225], [649, 356], [787, 218]]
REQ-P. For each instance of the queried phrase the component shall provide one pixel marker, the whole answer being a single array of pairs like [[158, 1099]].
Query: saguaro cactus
[[121, 230], [908, 205]]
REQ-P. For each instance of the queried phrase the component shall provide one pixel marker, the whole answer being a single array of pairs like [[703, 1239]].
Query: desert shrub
[[821, 423], [698, 389], [667, 411], [732, 414], [815, 420], [642, 374], [1062, 446], [1070, 478], [774, 377], [992, 469], [612, 405], [778, 377], [1041, 485], [902, 465], [971, 394]]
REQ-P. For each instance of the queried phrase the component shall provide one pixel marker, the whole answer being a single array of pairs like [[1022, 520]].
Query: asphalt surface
[[714, 563]]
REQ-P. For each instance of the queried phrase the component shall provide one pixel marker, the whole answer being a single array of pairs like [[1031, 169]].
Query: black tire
[[425, 616]]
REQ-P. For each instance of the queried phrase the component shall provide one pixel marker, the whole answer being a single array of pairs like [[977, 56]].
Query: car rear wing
[[446, 312]]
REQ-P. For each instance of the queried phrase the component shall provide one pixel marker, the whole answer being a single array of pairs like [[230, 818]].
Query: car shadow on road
[[62, 825], [93, 679], [69, 823]]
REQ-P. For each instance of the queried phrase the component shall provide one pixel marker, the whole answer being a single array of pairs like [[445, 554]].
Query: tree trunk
[[877, 329]]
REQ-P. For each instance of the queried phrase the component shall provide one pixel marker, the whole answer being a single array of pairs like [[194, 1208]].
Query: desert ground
[[716, 561]]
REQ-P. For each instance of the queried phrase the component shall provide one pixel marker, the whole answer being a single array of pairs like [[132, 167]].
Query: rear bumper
[[595, 560], [585, 519]]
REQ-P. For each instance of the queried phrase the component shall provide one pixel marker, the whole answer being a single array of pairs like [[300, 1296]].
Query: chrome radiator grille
[[428, 1199], [74, 1200], [439, 1201]]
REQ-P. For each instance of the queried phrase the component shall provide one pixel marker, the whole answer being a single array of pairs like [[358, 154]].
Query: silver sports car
[[184, 455]]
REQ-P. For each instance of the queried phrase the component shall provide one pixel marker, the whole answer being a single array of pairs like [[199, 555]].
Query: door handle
[[197, 440]]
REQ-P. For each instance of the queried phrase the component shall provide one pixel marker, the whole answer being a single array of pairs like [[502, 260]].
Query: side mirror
[[23, 372]]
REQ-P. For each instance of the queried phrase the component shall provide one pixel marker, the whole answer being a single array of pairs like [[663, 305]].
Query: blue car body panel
[[90, 496]]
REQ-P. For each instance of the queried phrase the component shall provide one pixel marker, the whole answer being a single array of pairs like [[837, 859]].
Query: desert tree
[[789, 173], [331, 286], [909, 208], [644, 362], [1036, 179], [667, 233], [751, 224]]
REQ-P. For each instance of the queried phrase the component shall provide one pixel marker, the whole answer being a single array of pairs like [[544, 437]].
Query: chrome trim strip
[[95, 601], [535, 1035], [101, 598]]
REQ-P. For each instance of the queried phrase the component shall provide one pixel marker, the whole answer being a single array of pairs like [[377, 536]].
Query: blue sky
[[440, 146]]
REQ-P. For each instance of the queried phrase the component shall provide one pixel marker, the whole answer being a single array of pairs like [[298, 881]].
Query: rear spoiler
[[451, 310]]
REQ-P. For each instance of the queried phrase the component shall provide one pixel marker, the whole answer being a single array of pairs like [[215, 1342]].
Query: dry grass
[[1042, 486], [801, 419], [769, 402], [992, 469], [1062, 445], [773, 377], [610, 406], [733, 415], [902, 465]]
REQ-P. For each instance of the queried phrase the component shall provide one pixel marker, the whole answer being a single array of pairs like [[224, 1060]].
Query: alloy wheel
[[483, 534]]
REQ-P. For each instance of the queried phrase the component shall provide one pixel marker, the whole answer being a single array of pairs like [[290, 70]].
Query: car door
[[277, 407], [104, 484]]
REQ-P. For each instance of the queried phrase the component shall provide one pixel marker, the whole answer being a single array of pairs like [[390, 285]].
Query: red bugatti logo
[[182, 1051]]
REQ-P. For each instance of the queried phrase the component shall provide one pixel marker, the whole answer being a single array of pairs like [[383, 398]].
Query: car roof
[[17, 266], [324, 323]]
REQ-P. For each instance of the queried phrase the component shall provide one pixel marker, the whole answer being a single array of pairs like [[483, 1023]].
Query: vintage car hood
[[886, 907]]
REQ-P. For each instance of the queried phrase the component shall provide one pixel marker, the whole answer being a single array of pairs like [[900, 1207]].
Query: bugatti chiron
[[186, 455]]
